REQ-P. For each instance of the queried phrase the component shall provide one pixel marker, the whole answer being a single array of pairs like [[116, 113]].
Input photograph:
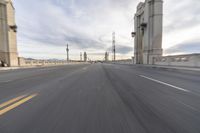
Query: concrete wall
[[191, 60]]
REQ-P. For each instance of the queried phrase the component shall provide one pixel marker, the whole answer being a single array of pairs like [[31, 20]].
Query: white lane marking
[[178, 88], [6, 81], [189, 106]]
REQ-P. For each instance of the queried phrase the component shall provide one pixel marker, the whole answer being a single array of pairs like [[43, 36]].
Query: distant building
[[85, 57], [8, 30], [148, 31]]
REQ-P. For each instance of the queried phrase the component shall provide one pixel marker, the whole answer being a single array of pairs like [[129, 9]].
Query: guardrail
[[190, 60]]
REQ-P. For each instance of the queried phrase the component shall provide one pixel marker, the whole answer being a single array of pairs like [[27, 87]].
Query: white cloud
[[181, 22], [87, 25]]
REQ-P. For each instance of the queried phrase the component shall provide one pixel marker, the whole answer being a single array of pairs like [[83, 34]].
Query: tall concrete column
[[138, 53], [148, 31], [8, 41], [4, 56], [85, 57], [156, 22], [136, 41]]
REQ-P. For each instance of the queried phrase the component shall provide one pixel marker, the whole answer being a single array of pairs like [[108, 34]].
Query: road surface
[[99, 98]]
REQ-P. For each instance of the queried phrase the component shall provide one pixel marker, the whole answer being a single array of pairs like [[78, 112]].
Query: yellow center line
[[3, 111], [11, 101]]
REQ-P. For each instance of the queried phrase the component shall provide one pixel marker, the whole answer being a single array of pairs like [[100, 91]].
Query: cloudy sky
[[46, 26]]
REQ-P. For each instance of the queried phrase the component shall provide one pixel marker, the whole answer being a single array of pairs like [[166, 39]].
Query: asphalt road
[[99, 98]]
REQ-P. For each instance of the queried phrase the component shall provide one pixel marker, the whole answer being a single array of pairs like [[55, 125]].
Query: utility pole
[[113, 46], [67, 49]]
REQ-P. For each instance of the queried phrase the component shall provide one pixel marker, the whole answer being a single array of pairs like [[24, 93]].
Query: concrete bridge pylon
[[8, 31]]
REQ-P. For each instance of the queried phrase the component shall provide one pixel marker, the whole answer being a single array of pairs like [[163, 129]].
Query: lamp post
[[133, 34]]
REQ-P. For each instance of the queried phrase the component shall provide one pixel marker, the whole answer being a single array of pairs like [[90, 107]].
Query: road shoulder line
[[161, 82]]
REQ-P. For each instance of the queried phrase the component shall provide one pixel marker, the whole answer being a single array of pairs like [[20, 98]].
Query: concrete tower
[[85, 57], [81, 56], [8, 29], [67, 50], [148, 31], [113, 46], [106, 56]]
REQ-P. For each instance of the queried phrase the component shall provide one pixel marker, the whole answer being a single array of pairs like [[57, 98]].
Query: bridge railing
[[128, 61], [34, 62], [190, 60]]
